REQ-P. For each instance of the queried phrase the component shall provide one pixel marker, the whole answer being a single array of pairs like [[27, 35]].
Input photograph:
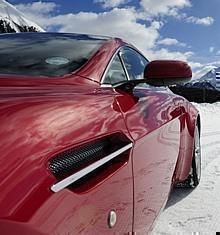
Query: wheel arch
[[185, 156]]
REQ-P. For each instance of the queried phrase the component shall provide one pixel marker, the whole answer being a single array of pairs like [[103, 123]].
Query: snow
[[10, 14], [198, 210]]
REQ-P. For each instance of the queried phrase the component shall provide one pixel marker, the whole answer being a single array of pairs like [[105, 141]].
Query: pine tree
[[5, 27], [25, 28]]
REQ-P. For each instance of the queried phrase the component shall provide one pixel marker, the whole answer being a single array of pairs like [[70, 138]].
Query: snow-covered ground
[[198, 210]]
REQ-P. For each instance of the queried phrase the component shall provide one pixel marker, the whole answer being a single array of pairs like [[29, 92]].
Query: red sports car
[[92, 140]]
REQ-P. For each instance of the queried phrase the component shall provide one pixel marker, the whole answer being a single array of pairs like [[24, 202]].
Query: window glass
[[134, 62], [46, 54], [115, 72]]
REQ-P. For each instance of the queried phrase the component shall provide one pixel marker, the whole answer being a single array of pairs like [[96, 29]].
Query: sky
[[186, 30]]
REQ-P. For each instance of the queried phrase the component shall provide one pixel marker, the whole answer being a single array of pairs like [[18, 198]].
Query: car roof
[[95, 67], [55, 34]]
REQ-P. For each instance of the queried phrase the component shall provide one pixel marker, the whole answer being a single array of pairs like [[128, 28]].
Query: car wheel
[[195, 173]]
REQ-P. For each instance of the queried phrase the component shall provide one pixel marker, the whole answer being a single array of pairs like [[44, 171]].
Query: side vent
[[93, 158], [75, 159]]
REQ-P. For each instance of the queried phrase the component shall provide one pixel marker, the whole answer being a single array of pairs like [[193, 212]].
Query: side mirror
[[167, 72]]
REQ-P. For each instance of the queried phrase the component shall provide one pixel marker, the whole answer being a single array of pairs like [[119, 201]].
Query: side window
[[134, 62], [115, 72]]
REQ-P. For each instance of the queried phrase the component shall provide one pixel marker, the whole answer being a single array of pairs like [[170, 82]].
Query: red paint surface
[[42, 117], [167, 69]]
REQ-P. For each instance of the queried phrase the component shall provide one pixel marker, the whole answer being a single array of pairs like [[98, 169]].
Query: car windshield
[[46, 54]]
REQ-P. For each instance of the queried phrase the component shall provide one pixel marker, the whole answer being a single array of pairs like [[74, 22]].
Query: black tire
[[195, 173]]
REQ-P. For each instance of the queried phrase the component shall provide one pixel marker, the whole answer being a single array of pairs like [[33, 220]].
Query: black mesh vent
[[76, 158]]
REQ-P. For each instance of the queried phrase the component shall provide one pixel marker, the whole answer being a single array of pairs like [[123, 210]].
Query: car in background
[[91, 139]]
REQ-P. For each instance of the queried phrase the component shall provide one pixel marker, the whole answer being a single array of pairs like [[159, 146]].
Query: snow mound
[[207, 109]]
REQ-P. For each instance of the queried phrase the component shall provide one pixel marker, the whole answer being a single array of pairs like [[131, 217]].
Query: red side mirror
[[167, 72]]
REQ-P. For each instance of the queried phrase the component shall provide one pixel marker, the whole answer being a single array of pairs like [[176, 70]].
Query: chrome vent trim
[[80, 174]]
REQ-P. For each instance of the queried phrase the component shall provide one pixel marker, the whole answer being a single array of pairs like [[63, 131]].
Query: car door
[[154, 124], [78, 177]]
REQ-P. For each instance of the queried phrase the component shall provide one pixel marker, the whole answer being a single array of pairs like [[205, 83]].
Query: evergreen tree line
[[5, 27]]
